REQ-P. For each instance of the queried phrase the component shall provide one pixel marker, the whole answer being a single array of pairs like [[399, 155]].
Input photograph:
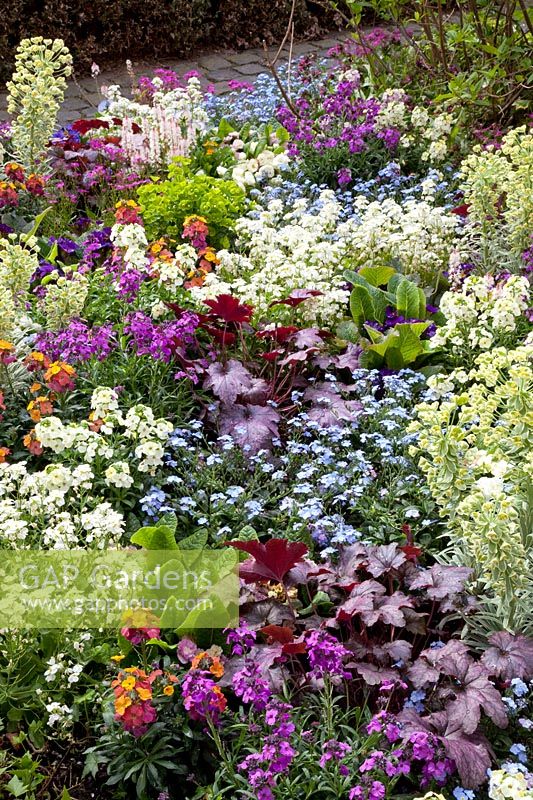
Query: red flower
[[83, 125], [461, 211], [229, 309], [272, 355]]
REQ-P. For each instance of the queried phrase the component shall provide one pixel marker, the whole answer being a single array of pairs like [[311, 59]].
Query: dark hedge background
[[108, 31]]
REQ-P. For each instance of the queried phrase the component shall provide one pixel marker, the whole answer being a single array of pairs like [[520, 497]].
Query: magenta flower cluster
[[77, 342], [326, 655], [160, 340], [263, 768], [240, 639], [250, 687]]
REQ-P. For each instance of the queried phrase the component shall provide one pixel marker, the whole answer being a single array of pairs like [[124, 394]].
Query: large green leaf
[[361, 305], [161, 536], [399, 347], [377, 275], [407, 298], [196, 541]]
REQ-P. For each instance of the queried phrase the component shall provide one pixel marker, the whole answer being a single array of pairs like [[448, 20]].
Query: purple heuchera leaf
[[350, 359], [257, 394], [228, 381], [252, 427], [472, 689], [475, 692], [441, 581], [374, 675], [361, 599], [388, 610], [329, 408], [307, 337], [270, 561], [384, 558], [426, 669], [471, 752], [509, 656]]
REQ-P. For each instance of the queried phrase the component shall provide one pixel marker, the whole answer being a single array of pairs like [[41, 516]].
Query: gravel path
[[218, 68]]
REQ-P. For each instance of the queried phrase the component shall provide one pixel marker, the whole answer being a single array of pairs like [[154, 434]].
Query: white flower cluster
[[505, 785], [59, 715], [256, 163], [139, 424], [283, 252], [32, 509], [169, 126], [60, 667], [279, 252], [131, 238], [419, 233], [33, 504], [172, 272], [418, 127], [481, 312]]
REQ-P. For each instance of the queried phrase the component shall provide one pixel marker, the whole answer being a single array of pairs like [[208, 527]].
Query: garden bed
[[286, 331]]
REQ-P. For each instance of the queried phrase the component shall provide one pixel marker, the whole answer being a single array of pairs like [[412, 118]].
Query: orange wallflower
[[60, 377], [4, 452], [32, 443], [208, 662], [7, 352], [39, 407], [36, 361]]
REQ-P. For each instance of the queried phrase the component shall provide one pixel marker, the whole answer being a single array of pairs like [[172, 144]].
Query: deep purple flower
[[390, 137], [160, 340], [241, 639], [67, 245], [77, 342], [344, 176], [201, 696], [422, 744]]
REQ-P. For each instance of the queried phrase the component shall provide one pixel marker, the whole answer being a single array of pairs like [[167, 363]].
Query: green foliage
[[401, 345], [476, 56], [166, 204], [474, 446], [398, 348], [22, 774], [161, 536], [145, 764]]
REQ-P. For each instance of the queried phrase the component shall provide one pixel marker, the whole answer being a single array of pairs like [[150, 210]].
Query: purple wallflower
[[67, 245], [423, 745], [334, 750], [248, 684], [77, 342], [326, 655], [201, 696], [160, 340], [275, 757], [390, 137], [241, 639], [129, 283], [344, 176]]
